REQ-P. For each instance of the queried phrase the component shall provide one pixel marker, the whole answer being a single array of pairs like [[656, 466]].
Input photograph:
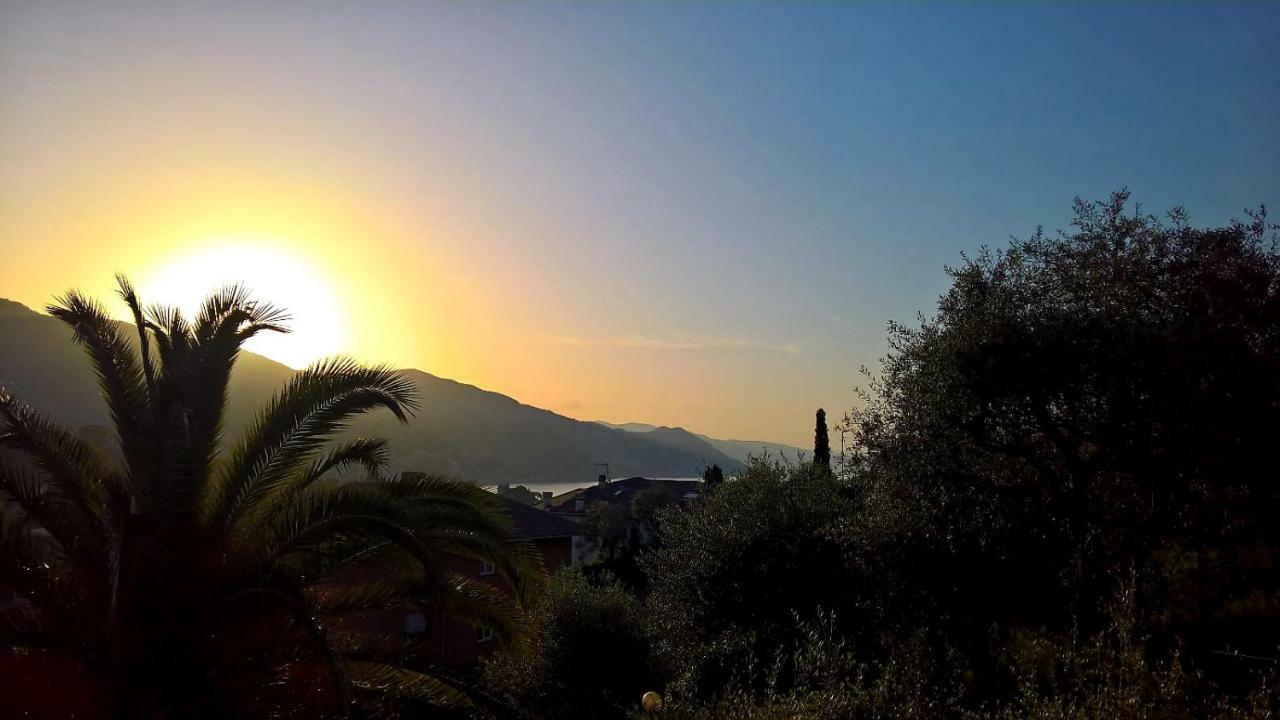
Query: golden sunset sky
[[685, 215]]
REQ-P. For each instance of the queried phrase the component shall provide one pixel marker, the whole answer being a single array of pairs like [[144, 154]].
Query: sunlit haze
[[280, 275], [696, 215]]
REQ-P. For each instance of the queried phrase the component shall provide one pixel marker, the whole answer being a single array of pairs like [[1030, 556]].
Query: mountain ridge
[[740, 450], [460, 430]]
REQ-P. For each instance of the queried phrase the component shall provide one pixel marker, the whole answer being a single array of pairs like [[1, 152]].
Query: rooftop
[[531, 523], [624, 490]]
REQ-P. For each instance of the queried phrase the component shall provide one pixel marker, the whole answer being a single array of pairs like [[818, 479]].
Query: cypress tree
[[821, 446]]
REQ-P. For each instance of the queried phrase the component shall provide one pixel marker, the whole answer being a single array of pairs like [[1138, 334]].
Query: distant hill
[[40, 365], [461, 430], [739, 450]]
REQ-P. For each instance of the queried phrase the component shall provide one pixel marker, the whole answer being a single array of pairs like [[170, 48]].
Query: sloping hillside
[[461, 430], [739, 450]]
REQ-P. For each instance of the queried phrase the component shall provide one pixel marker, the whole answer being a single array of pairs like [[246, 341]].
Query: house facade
[[633, 500], [557, 542]]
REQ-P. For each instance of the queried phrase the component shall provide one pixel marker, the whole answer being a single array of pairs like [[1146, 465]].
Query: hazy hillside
[[736, 449], [40, 365], [461, 430]]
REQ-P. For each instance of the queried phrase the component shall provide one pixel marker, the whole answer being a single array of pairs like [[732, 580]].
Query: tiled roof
[[533, 523], [624, 491]]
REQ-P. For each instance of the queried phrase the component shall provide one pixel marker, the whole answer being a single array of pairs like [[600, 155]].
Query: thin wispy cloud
[[844, 322]]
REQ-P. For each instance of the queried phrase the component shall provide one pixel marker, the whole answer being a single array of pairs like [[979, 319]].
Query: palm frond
[[171, 332], [176, 374], [77, 495], [21, 624], [449, 517], [465, 520], [318, 402], [436, 499], [295, 606], [347, 597], [372, 454], [198, 359], [338, 521], [234, 308], [120, 378], [478, 603], [71, 462], [31, 560], [130, 296], [420, 690], [66, 523], [45, 555], [516, 563]]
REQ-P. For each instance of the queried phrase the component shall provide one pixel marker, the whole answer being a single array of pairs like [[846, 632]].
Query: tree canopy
[[1089, 404]]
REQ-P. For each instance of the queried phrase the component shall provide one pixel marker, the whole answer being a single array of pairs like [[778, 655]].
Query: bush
[[1108, 675], [589, 657], [732, 574]]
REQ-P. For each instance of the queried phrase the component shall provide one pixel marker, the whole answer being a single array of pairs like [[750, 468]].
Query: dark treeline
[[1061, 501]]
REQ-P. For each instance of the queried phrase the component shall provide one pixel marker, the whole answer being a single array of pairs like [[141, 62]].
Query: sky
[[695, 214]]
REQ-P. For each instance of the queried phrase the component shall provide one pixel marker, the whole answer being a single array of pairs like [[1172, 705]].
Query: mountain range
[[460, 430], [739, 450]]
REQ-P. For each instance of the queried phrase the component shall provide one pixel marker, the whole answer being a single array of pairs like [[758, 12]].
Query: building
[[575, 504], [558, 541], [631, 524]]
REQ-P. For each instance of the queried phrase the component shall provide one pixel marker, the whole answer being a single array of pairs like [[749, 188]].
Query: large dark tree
[[1090, 408], [191, 578]]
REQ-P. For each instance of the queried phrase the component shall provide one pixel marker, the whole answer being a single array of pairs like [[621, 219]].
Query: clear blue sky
[[718, 205]]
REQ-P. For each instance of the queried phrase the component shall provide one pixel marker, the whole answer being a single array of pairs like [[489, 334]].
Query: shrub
[[588, 658], [732, 574]]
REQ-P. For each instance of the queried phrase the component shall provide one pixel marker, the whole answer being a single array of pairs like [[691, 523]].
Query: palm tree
[[196, 580]]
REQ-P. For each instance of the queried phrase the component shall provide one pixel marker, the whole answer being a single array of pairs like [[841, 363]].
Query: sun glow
[[274, 273]]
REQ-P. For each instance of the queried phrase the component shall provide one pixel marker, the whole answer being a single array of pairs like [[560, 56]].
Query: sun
[[275, 273]]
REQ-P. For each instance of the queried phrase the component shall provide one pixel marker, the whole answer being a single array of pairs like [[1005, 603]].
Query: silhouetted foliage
[[588, 657], [182, 579], [1086, 405], [611, 523], [647, 503], [712, 476], [520, 494], [732, 571]]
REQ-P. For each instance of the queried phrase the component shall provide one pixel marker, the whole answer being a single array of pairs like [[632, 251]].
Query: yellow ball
[[651, 702]]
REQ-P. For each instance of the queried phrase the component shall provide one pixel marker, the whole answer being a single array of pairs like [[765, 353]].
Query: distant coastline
[[559, 488]]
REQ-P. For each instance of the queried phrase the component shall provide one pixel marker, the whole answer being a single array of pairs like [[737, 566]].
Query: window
[[483, 634], [415, 624], [579, 505], [487, 568]]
